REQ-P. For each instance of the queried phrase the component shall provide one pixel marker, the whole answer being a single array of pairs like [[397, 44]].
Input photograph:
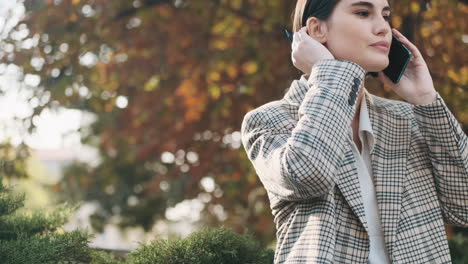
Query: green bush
[[102, 257], [37, 238], [458, 249], [213, 246]]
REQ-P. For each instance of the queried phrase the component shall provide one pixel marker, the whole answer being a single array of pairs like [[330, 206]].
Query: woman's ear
[[317, 29]]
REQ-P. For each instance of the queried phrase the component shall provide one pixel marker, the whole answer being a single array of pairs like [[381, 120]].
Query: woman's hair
[[321, 9]]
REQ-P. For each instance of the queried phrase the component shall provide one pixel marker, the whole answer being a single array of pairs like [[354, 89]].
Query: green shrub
[[37, 238], [102, 257], [213, 246], [458, 249], [31, 238]]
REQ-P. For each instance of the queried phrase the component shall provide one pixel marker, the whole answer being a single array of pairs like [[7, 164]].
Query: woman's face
[[352, 29]]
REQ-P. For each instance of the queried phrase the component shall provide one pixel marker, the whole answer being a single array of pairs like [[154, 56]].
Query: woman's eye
[[366, 14], [363, 13]]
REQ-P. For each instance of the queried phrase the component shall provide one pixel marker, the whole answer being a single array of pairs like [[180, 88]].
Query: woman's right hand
[[306, 51]]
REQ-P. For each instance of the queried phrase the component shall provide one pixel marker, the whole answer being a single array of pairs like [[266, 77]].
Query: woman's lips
[[381, 48]]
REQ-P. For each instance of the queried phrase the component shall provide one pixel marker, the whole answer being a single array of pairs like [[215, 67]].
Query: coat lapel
[[348, 184], [392, 134]]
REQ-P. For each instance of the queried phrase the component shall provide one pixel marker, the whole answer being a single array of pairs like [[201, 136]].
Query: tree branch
[[146, 4], [239, 13]]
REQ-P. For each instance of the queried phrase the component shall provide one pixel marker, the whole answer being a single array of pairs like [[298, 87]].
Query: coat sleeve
[[448, 151], [296, 150]]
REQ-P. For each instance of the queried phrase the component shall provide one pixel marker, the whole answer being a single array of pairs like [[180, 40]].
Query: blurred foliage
[[170, 81], [458, 245], [218, 245], [13, 160], [103, 257], [31, 238]]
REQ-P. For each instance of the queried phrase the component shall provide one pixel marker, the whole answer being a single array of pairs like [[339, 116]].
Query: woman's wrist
[[424, 100]]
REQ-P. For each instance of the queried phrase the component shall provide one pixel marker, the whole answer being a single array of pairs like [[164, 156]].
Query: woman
[[352, 177]]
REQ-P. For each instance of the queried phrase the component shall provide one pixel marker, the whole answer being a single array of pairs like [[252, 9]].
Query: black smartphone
[[399, 57]]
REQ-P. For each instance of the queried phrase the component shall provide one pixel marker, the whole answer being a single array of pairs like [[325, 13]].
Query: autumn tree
[[169, 83]]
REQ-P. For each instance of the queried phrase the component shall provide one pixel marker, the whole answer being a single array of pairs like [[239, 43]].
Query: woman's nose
[[382, 27]]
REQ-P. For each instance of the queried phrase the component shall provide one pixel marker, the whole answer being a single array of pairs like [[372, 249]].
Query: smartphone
[[399, 57]]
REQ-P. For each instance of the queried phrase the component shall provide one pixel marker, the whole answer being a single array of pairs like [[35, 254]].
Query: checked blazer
[[299, 150]]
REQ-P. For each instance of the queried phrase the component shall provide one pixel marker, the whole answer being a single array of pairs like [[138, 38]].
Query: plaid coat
[[299, 150]]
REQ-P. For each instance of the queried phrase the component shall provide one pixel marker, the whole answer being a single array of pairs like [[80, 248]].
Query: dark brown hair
[[321, 9]]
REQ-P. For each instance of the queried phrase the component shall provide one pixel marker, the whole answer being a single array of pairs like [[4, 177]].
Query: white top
[[378, 251]]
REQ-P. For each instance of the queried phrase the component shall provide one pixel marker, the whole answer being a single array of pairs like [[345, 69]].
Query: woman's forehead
[[379, 4]]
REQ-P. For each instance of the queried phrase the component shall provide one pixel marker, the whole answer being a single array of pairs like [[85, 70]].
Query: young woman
[[352, 177]]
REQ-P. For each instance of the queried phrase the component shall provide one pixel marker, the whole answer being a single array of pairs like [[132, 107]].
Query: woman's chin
[[371, 63], [377, 67]]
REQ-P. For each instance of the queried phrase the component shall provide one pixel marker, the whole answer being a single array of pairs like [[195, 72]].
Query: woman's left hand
[[415, 86]]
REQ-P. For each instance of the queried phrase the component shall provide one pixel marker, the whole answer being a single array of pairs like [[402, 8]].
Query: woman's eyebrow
[[370, 5]]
